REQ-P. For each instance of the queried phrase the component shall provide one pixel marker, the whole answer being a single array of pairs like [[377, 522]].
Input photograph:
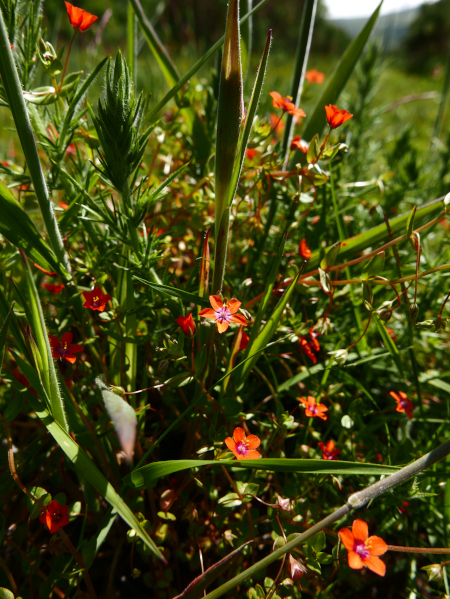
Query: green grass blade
[[147, 474], [246, 39], [3, 333], [16, 101], [376, 235], [184, 296], [251, 112], [389, 344], [266, 296], [14, 331], [267, 332], [131, 41], [17, 227], [301, 63], [83, 463], [316, 120]]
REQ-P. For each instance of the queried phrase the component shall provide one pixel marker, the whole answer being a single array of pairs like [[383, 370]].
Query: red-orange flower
[[299, 144], [64, 348], [277, 125], [244, 341], [54, 516], [53, 287], [250, 153], [313, 409], [223, 314], [286, 105], [314, 76], [311, 345], [95, 300], [187, 324], [336, 117], [362, 549], [79, 18], [243, 447], [304, 250], [329, 450], [403, 403]]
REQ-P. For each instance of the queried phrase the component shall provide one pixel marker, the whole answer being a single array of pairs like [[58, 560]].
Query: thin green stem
[[67, 61]]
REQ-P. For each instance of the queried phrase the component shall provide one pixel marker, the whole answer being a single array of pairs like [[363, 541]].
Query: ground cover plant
[[223, 347]]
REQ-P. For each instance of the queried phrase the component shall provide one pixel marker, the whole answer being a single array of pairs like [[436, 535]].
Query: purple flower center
[[95, 301], [223, 314], [241, 447], [362, 550], [63, 350], [312, 409]]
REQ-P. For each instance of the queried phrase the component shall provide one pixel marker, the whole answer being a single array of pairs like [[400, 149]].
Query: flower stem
[[66, 62]]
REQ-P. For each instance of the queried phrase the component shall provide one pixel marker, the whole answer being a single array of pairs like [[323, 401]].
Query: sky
[[344, 9]]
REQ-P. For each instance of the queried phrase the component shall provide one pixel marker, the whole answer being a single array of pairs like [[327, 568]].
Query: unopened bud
[[439, 323], [339, 356], [413, 312], [434, 571], [296, 568], [118, 390], [384, 314], [163, 365]]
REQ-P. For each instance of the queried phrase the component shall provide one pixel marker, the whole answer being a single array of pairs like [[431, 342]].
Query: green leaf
[[374, 267], [3, 333], [410, 222], [18, 229], [330, 257], [267, 332], [316, 119], [84, 464], [184, 296], [147, 474], [390, 345]]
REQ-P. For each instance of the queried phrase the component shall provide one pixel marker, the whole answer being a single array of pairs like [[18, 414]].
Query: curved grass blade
[[267, 332], [148, 474], [3, 333], [184, 296], [301, 62], [17, 227], [316, 121]]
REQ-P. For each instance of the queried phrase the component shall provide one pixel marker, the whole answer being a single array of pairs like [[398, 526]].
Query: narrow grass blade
[[205, 267], [131, 41], [251, 112], [18, 229], [266, 296], [246, 39], [229, 114], [180, 294], [148, 474], [389, 344], [267, 332], [16, 101], [316, 120], [15, 331], [3, 333], [301, 63]]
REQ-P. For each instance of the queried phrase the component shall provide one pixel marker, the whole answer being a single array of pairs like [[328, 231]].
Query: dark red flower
[[53, 287], [80, 19], [187, 324], [54, 516], [336, 117], [244, 341], [64, 349], [95, 300], [329, 450], [311, 345]]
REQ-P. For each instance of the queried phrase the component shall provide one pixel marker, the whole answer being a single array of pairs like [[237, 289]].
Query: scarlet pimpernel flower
[[286, 105], [223, 314], [403, 403], [336, 117], [311, 345], [53, 287], [299, 144], [304, 250], [187, 325], [242, 446], [313, 409], [54, 516], [362, 549], [64, 349], [95, 299], [314, 76], [244, 341], [329, 450], [80, 19]]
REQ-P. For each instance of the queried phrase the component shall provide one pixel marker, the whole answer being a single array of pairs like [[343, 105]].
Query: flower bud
[[296, 568], [413, 312]]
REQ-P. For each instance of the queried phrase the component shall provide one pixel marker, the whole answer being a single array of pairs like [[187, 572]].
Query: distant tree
[[428, 41]]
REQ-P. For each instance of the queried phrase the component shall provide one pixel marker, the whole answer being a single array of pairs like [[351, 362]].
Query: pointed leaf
[[389, 344], [330, 257], [410, 222], [3, 333], [184, 296]]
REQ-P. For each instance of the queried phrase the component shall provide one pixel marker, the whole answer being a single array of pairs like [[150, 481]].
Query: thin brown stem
[[436, 550], [67, 60]]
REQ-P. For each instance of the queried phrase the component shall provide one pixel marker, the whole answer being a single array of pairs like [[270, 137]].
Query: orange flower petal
[[208, 313], [277, 99], [238, 434], [252, 455], [71, 359], [230, 444], [360, 530], [394, 395], [222, 326], [216, 302], [233, 306], [375, 564], [376, 545], [253, 442], [239, 319], [347, 538], [355, 561]]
